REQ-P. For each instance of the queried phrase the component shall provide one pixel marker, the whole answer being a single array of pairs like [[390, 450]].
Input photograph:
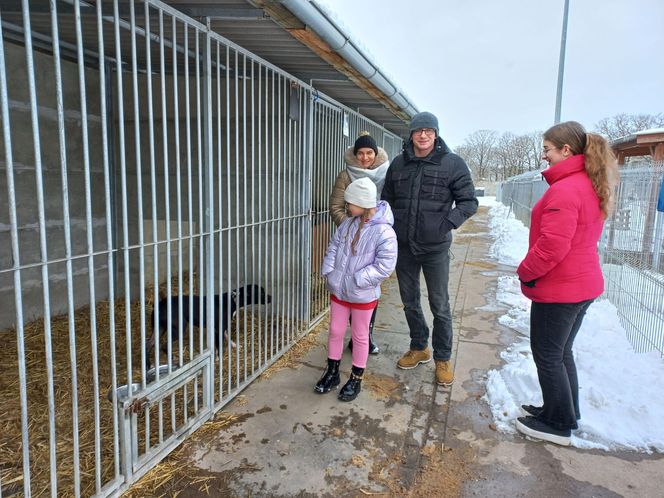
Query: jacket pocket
[[430, 227], [435, 185], [401, 180], [361, 279], [335, 282]]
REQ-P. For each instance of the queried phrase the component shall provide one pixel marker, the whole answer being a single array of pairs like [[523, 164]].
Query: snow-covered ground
[[621, 392]]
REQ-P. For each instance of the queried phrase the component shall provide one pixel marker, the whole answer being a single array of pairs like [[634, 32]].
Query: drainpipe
[[313, 16]]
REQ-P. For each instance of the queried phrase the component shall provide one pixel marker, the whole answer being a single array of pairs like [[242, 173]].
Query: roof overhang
[[643, 143], [297, 36], [300, 38]]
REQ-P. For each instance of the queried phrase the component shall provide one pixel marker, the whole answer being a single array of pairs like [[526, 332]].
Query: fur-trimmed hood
[[351, 160], [376, 173]]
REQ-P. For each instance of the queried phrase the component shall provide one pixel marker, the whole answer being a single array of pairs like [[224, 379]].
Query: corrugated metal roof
[[264, 31], [265, 28]]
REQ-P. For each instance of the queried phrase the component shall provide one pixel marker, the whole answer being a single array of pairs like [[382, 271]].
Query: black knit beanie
[[365, 140]]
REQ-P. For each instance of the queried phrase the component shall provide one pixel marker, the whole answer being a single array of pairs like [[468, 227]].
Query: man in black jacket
[[431, 193]]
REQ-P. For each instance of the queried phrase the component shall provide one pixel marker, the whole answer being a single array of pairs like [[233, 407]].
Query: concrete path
[[404, 435]]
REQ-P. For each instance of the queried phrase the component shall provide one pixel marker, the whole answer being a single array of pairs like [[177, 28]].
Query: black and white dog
[[224, 309]]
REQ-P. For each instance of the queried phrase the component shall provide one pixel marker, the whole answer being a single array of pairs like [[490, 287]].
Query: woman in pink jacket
[[561, 272]]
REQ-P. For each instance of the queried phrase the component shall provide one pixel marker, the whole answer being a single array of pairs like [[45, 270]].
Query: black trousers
[[553, 328], [436, 269]]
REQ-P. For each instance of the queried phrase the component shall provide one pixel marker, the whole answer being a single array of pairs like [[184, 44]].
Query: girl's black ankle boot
[[354, 385], [330, 378]]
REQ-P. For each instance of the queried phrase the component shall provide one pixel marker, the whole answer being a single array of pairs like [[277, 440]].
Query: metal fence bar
[[244, 201], [285, 140], [208, 380], [266, 152], [229, 252], [167, 220], [310, 110], [190, 215], [139, 193], [303, 216], [65, 207], [110, 240], [16, 258], [237, 230], [218, 346], [126, 438], [281, 129], [42, 240], [273, 171], [178, 201], [253, 213], [289, 210], [201, 216], [154, 215], [90, 244], [262, 345]]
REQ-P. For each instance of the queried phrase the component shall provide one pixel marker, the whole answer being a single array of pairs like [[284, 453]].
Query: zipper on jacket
[[418, 182]]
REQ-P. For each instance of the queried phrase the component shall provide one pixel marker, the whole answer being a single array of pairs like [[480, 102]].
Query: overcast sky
[[494, 63]]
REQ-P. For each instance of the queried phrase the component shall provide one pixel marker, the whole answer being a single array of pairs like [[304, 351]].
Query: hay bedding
[[11, 472]]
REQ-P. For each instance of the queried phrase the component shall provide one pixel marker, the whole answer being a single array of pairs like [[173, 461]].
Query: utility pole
[[561, 63]]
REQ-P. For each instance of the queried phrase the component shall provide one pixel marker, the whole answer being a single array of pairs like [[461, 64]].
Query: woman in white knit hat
[[361, 254], [364, 159]]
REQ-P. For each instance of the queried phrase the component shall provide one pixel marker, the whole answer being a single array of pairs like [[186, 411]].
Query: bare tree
[[495, 156], [477, 150], [623, 124], [504, 156], [534, 150], [516, 154]]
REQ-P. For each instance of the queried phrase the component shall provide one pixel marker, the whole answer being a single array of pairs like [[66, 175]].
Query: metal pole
[[16, 258], [90, 246], [127, 467], [561, 63], [105, 87], [208, 157]]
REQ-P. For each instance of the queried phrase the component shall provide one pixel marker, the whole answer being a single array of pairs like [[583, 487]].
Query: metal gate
[[159, 179]]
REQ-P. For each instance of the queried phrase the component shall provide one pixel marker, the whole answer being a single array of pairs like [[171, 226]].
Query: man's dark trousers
[[436, 269]]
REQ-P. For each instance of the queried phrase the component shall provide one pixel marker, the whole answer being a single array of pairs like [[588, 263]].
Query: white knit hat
[[362, 192]]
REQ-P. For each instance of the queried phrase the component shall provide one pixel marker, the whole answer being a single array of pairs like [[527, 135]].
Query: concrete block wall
[[26, 190]]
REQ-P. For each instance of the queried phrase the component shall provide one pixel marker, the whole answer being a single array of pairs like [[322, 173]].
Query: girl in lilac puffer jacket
[[361, 254]]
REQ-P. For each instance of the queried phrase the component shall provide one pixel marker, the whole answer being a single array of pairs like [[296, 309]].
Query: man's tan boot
[[413, 358], [444, 373]]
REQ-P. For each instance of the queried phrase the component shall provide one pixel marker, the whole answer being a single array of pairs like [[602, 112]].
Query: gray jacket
[[356, 277]]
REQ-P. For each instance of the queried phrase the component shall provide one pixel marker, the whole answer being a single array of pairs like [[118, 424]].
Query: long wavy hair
[[601, 164]]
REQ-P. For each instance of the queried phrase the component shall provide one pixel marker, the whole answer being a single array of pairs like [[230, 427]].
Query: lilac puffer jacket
[[356, 277]]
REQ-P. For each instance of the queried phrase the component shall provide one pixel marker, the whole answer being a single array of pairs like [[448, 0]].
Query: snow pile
[[511, 236], [620, 391]]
